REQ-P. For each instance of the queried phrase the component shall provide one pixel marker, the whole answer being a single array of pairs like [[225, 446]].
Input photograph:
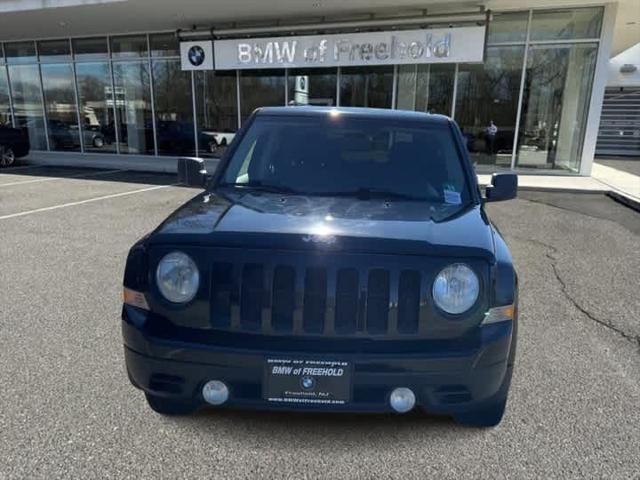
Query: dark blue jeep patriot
[[337, 260]]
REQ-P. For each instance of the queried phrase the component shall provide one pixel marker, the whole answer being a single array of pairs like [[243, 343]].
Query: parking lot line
[[82, 202], [79, 175]]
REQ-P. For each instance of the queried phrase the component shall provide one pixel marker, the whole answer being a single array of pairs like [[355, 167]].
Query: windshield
[[348, 155]]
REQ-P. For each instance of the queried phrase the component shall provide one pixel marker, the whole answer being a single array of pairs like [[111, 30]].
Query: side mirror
[[191, 172], [504, 186]]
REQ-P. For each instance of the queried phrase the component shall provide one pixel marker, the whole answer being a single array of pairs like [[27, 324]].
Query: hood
[[311, 222]]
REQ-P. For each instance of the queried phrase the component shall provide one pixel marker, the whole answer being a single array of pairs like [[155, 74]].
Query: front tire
[[165, 406]]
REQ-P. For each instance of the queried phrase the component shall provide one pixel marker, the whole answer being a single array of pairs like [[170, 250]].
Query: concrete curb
[[625, 200]]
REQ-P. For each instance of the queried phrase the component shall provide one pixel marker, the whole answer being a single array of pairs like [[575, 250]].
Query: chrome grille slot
[[378, 301], [315, 299], [346, 301], [283, 298], [251, 296], [409, 301]]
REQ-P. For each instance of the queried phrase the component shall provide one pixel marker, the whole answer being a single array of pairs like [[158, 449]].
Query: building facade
[[530, 102]]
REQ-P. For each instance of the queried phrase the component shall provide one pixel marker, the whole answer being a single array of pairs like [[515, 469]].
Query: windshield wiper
[[261, 187], [368, 193]]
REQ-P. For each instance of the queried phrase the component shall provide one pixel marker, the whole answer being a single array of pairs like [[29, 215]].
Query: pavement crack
[[551, 255]]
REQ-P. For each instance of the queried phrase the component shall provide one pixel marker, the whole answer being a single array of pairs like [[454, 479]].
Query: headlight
[[177, 277], [456, 288]]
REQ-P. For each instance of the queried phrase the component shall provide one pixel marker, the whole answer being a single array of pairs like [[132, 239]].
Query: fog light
[[215, 392], [402, 399]]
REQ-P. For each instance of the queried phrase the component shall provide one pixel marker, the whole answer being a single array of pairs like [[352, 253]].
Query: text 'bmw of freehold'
[[337, 260]]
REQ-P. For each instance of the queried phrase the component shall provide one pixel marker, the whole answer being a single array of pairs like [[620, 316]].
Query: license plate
[[307, 381]]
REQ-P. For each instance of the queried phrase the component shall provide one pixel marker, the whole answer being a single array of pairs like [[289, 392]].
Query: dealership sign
[[444, 45]]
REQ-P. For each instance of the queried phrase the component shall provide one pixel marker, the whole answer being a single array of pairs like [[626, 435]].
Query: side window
[[243, 174]]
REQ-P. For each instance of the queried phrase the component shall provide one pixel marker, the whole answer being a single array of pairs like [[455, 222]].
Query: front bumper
[[443, 383]]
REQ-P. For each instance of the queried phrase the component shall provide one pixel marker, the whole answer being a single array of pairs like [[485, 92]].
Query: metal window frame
[[454, 95], [194, 113], [394, 88], [523, 76], [116, 120], [153, 95], [45, 117], [238, 99], [10, 92], [77, 98]]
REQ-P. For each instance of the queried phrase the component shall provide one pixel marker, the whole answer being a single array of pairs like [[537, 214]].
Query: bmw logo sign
[[308, 383], [196, 55]]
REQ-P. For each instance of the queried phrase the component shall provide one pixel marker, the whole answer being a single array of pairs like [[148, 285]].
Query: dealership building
[[140, 82]]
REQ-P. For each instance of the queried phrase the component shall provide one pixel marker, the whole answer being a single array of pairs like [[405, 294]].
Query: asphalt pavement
[[67, 409]]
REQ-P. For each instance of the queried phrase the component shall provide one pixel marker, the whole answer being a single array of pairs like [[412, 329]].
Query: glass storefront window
[[20, 52], [508, 27], [132, 95], [90, 48], [366, 87], [440, 88], [5, 105], [217, 110], [412, 88], [260, 88], [555, 105], [60, 105], [175, 134], [96, 107], [566, 24], [27, 103], [129, 46], [164, 45], [312, 86], [54, 51], [487, 104]]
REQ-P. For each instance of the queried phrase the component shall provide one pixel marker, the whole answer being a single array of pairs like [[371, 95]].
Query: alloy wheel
[[7, 157]]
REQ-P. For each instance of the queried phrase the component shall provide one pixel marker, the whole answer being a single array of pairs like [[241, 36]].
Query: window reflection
[[27, 103], [508, 27], [174, 109], [96, 107], [366, 87], [566, 24], [5, 105], [60, 105], [20, 52], [90, 48], [260, 88], [425, 88], [129, 46], [487, 104], [555, 105], [164, 45], [440, 96], [133, 107], [217, 110], [312, 86], [54, 51]]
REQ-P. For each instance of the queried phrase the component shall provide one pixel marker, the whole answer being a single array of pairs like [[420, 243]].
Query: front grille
[[317, 301]]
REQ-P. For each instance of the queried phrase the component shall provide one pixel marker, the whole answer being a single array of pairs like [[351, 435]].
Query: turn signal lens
[[135, 299], [499, 314]]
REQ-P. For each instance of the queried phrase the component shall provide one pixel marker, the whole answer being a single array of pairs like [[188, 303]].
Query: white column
[[597, 90]]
